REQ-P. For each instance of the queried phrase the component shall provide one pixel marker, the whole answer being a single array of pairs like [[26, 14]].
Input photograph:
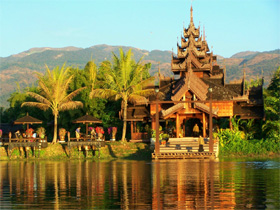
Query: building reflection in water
[[190, 184], [174, 184]]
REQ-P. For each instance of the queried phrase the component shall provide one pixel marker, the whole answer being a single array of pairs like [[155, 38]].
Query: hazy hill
[[244, 54], [256, 64], [20, 67]]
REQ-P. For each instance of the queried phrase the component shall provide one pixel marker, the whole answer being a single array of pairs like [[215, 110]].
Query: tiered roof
[[193, 52], [199, 71], [190, 82]]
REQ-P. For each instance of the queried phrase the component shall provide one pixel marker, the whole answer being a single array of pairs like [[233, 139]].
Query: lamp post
[[157, 123], [210, 123]]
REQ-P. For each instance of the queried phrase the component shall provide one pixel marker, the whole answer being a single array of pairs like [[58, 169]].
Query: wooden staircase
[[186, 148]]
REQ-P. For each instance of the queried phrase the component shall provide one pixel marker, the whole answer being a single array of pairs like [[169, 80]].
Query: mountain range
[[18, 70]]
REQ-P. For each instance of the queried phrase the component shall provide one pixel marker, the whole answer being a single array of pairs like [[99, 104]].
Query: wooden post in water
[[204, 125], [69, 147], [27, 151], [86, 151], [157, 124], [34, 151], [39, 147], [10, 137], [10, 140], [210, 124]]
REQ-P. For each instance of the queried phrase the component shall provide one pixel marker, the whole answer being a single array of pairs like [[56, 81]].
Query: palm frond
[[45, 90], [103, 93], [70, 96], [38, 74], [92, 73], [39, 105], [70, 105], [39, 98], [145, 93], [64, 85]]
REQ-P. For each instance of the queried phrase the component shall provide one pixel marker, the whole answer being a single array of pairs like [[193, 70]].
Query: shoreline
[[112, 151]]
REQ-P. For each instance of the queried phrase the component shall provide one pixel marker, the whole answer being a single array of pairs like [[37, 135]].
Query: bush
[[233, 142]]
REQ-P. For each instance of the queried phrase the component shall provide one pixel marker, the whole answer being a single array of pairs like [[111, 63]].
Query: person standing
[[78, 133], [196, 130], [200, 144]]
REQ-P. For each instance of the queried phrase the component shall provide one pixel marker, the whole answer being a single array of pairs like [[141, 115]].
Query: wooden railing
[[84, 138], [136, 136], [21, 139]]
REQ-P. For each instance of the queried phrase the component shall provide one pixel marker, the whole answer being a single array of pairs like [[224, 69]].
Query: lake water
[[175, 184]]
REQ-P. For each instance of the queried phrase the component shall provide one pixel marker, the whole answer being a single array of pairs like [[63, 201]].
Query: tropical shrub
[[41, 131], [234, 142], [62, 133]]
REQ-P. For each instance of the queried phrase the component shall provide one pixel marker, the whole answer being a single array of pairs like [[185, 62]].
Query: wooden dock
[[24, 144], [84, 143], [185, 148], [36, 144]]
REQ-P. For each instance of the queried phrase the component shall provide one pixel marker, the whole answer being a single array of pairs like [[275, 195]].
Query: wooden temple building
[[196, 72]]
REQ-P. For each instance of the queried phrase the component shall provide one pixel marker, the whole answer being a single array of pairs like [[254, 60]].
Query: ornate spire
[[191, 14], [203, 33]]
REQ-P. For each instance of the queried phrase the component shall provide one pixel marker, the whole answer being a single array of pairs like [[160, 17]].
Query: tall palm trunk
[[124, 120], [55, 129]]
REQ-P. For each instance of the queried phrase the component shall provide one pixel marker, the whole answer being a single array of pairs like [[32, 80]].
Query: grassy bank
[[112, 150], [234, 144]]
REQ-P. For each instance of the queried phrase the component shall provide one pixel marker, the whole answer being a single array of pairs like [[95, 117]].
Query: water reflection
[[176, 184]]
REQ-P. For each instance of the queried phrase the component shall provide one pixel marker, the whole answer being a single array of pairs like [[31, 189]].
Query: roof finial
[[203, 33], [191, 14]]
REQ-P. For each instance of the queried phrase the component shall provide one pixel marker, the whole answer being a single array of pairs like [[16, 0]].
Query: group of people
[[95, 133], [29, 133]]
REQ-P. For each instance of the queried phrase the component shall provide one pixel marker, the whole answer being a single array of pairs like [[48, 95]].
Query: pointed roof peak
[[203, 33], [191, 14]]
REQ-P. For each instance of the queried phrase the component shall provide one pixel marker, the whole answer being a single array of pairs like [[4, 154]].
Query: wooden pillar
[[86, 128], [131, 129], [204, 124], [230, 123], [154, 122], [157, 129], [211, 143], [184, 127], [177, 125], [10, 137]]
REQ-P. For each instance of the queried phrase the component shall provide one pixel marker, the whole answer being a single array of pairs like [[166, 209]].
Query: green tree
[[95, 107], [53, 93], [271, 126], [124, 80]]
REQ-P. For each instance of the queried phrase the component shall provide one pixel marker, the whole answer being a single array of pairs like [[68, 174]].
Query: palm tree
[[53, 88], [124, 80]]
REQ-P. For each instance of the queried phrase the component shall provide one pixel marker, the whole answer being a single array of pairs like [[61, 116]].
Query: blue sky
[[231, 25]]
